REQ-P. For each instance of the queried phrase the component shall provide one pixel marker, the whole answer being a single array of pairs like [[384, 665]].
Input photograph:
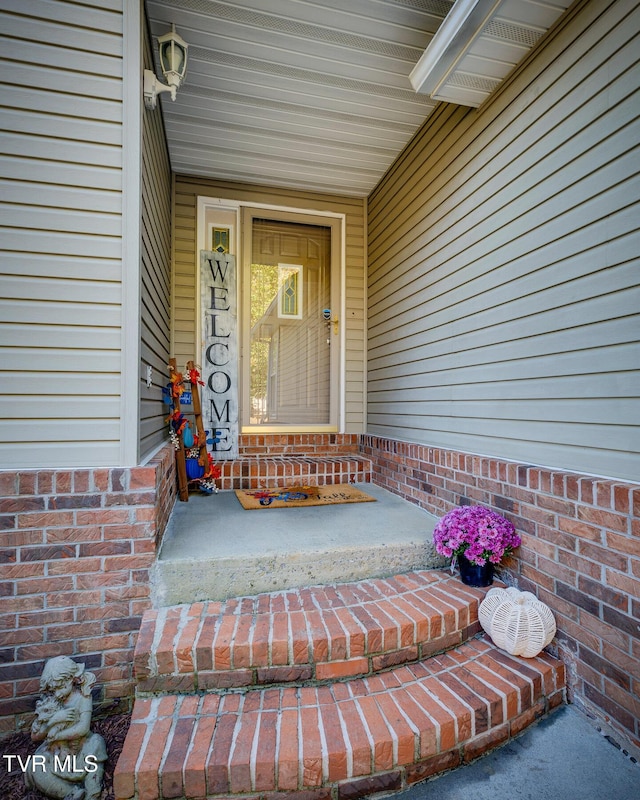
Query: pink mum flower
[[478, 532]]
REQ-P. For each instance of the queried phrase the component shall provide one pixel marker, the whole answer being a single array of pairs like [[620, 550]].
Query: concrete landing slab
[[214, 549]]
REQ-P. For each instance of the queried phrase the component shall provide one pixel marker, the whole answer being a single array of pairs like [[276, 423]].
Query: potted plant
[[478, 538]]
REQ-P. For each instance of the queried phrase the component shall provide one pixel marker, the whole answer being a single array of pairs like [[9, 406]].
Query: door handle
[[326, 315]]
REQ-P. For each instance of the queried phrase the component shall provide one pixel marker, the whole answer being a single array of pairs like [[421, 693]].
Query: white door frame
[[211, 209]]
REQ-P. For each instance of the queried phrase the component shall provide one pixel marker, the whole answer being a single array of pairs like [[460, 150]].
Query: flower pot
[[475, 574]]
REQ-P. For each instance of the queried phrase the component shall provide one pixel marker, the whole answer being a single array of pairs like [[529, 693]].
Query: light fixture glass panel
[[172, 50], [172, 57]]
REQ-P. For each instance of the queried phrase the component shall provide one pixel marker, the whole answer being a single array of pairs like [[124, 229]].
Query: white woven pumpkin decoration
[[517, 621]]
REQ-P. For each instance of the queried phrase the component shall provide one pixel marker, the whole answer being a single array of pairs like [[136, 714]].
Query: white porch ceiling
[[317, 94]]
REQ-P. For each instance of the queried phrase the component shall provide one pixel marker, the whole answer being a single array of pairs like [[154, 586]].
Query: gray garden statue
[[69, 764]]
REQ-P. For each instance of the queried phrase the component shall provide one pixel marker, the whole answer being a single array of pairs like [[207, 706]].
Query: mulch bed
[[112, 729]]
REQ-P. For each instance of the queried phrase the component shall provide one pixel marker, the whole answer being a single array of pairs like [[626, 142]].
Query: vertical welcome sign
[[220, 352]]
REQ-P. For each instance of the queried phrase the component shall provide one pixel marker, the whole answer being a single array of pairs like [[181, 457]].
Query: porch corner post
[[132, 110]]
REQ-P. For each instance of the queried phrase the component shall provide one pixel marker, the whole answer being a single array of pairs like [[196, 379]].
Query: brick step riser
[[307, 674], [342, 741], [395, 780], [317, 634], [270, 472]]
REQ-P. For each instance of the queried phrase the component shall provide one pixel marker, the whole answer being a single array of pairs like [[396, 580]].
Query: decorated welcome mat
[[299, 496]]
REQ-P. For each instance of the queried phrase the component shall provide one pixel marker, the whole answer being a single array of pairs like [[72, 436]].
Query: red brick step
[[269, 472], [272, 460], [344, 740], [316, 634]]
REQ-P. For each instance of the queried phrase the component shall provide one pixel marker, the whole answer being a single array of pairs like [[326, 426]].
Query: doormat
[[300, 496]]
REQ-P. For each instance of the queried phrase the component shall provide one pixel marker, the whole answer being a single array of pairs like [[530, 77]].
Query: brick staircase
[[326, 692]]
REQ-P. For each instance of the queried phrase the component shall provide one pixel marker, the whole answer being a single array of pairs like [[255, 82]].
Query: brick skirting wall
[[76, 547], [580, 554]]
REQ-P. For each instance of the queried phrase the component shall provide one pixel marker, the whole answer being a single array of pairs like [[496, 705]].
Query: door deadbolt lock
[[326, 315]]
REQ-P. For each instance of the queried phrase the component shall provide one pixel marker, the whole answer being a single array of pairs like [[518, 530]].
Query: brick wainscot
[[76, 547], [580, 554]]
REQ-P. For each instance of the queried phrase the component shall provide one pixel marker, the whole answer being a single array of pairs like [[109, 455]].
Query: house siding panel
[[187, 190], [503, 272], [61, 223], [155, 288]]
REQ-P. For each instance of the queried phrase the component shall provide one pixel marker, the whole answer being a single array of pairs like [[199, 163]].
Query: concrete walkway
[[562, 757]]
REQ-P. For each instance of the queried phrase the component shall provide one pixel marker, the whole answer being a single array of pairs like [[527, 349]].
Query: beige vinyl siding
[[187, 190], [155, 290], [61, 233], [503, 263]]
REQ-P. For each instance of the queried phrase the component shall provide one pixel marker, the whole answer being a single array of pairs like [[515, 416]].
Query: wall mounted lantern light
[[173, 62]]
